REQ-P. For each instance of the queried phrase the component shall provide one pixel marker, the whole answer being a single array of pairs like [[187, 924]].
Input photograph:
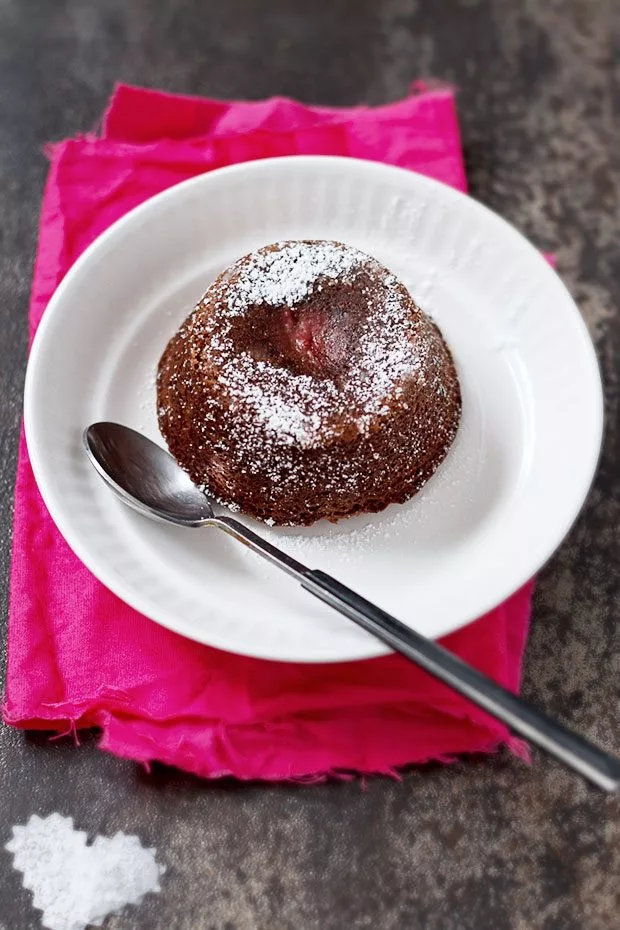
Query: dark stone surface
[[480, 844]]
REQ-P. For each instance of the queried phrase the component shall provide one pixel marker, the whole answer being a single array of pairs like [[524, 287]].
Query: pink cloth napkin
[[78, 656]]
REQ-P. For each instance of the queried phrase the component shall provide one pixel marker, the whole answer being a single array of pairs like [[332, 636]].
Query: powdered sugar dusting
[[282, 410], [290, 273], [297, 408], [75, 884]]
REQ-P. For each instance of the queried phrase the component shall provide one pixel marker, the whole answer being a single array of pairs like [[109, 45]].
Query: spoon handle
[[576, 752], [570, 748]]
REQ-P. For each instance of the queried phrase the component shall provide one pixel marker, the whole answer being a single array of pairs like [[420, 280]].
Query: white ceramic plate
[[495, 511]]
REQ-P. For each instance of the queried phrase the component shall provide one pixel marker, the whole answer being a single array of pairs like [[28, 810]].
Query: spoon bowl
[[145, 476]]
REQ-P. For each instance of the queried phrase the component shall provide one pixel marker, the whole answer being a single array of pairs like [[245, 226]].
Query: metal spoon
[[148, 479]]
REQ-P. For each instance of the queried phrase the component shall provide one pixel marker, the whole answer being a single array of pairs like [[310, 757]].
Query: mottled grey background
[[481, 845]]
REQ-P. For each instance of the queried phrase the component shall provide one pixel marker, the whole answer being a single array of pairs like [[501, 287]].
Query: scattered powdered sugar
[[76, 884], [288, 274], [291, 409], [297, 408], [351, 541], [386, 353]]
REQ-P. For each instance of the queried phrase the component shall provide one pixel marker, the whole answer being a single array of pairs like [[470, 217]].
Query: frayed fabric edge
[[95, 718]]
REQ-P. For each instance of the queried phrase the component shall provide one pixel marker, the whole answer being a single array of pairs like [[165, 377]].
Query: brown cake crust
[[307, 383]]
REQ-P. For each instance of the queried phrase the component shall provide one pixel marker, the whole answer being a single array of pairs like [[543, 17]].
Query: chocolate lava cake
[[307, 383]]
